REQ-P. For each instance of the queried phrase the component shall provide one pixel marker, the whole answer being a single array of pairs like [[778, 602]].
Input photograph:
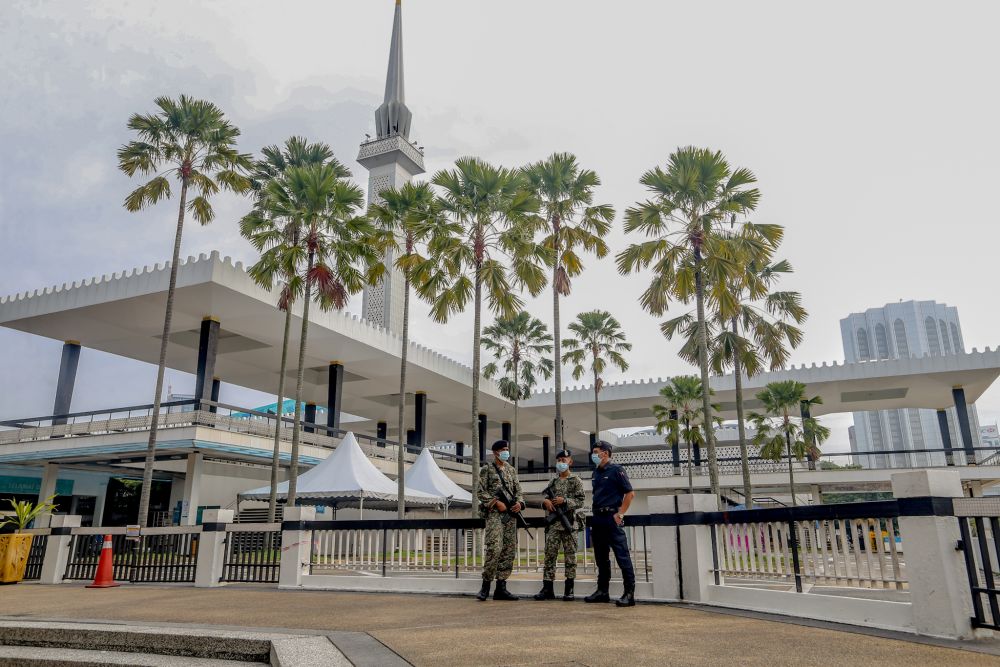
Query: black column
[[482, 437], [216, 386], [333, 394], [411, 437], [962, 411], [67, 378], [460, 450], [949, 455], [805, 414], [310, 417], [505, 431], [593, 443], [208, 348], [545, 452], [420, 417], [675, 446], [381, 429]]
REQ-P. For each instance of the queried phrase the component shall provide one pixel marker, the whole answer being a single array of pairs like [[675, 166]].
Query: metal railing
[[33, 568], [979, 524], [253, 553], [161, 556]]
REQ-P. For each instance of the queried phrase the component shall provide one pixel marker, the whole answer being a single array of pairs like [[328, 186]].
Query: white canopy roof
[[426, 476], [347, 478]]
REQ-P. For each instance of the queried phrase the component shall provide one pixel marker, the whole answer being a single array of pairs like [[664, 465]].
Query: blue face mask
[[504, 455], [562, 467], [596, 458]]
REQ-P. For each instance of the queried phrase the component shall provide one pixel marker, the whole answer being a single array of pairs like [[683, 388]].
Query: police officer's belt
[[605, 510]]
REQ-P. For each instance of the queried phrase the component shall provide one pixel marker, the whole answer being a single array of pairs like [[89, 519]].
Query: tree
[[566, 195], [751, 329], [406, 220], [777, 429], [692, 199], [599, 340], [518, 343], [683, 394], [336, 253], [191, 142], [277, 238], [492, 248]]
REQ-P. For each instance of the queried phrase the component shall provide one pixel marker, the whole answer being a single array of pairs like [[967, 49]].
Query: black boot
[[598, 596], [501, 592], [628, 597], [484, 592], [546, 593], [568, 591]]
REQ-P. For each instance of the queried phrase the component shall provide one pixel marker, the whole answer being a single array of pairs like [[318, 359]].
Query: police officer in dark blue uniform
[[612, 495]]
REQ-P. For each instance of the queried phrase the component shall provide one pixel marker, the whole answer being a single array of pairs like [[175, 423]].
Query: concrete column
[[67, 379], [949, 455], [50, 475], [817, 494], [482, 437], [309, 417], [296, 544], [216, 386], [663, 545], [696, 547], [381, 430], [939, 586], [192, 489], [334, 386], [420, 418], [212, 548], [964, 429], [545, 452], [57, 548], [505, 431], [208, 348], [99, 502]]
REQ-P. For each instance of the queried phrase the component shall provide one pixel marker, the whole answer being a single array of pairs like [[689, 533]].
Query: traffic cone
[[105, 577]]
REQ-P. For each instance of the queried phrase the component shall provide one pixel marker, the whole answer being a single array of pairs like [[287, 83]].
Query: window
[[881, 342], [864, 349], [944, 338], [956, 339], [899, 329], [933, 346]]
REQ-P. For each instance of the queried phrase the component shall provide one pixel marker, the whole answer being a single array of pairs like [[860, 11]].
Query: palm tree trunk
[[514, 454], [713, 470], [557, 347], [791, 475], [513, 437], [744, 456], [597, 414], [294, 467], [401, 447], [476, 340], [154, 421], [687, 429], [272, 501]]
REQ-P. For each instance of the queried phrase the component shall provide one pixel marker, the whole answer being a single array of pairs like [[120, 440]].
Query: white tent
[[347, 478], [426, 476]]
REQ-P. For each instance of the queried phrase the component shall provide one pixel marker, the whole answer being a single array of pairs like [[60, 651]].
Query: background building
[[900, 331]]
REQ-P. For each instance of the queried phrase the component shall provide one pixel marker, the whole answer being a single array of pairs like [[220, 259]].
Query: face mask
[[504, 456], [562, 467], [596, 458]]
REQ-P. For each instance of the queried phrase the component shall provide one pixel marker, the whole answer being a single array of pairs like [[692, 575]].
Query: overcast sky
[[872, 128]]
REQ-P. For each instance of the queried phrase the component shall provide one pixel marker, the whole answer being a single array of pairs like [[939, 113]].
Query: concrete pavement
[[437, 630]]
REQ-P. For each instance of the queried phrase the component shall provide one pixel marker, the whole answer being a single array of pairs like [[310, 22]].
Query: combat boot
[[484, 592], [627, 599], [568, 591], [598, 596], [501, 592], [547, 592]]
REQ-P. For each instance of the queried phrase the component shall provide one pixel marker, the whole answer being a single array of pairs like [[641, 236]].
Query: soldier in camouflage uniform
[[500, 535], [567, 493]]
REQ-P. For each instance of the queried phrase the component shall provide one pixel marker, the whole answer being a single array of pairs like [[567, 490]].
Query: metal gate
[[979, 524], [152, 558], [252, 556]]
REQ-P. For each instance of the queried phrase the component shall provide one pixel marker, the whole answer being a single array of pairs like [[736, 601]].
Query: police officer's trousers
[[607, 535]]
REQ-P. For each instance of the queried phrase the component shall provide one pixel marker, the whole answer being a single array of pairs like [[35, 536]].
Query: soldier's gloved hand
[[516, 508], [500, 507], [547, 504], [559, 500]]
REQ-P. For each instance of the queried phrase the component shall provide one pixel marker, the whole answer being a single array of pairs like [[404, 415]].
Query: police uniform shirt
[[611, 483]]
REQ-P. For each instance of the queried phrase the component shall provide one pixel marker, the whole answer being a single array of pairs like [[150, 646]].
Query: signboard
[[32, 485], [132, 531]]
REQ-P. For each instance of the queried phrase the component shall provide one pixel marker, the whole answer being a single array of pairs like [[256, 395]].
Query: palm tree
[[566, 194], [191, 142], [518, 343], [683, 394], [600, 339], [492, 249], [692, 199], [751, 329], [407, 219], [276, 238], [777, 429], [335, 241]]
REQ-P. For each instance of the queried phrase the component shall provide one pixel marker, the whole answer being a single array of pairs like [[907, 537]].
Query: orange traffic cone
[[105, 575]]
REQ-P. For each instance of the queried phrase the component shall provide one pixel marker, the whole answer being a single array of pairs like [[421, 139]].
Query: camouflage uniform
[[556, 535], [500, 535]]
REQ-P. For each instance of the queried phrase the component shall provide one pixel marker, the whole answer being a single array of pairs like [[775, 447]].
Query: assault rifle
[[559, 514], [507, 499]]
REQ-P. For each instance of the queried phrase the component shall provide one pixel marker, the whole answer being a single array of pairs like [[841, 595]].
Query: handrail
[[18, 423]]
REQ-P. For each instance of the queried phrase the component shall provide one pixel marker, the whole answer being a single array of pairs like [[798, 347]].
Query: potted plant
[[14, 549]]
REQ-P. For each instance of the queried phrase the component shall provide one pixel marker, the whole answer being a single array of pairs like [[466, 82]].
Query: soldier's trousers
[[501, 545], [556, 539], [607, 535]]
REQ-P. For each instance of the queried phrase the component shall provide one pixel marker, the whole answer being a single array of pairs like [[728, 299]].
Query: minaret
[[391, 160]]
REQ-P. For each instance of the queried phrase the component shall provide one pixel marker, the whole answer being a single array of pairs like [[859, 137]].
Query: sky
[[872, 128]]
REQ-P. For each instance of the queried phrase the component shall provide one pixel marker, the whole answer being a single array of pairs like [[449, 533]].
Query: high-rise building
[[899, 331], [391, 160]]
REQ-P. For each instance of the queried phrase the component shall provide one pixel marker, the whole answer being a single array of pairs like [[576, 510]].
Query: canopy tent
[[347, 478], [426, 476]]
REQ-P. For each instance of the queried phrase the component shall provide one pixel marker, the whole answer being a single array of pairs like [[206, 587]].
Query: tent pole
[[361, 514]]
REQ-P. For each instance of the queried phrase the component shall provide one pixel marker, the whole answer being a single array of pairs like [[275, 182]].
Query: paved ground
[[435, 630]]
